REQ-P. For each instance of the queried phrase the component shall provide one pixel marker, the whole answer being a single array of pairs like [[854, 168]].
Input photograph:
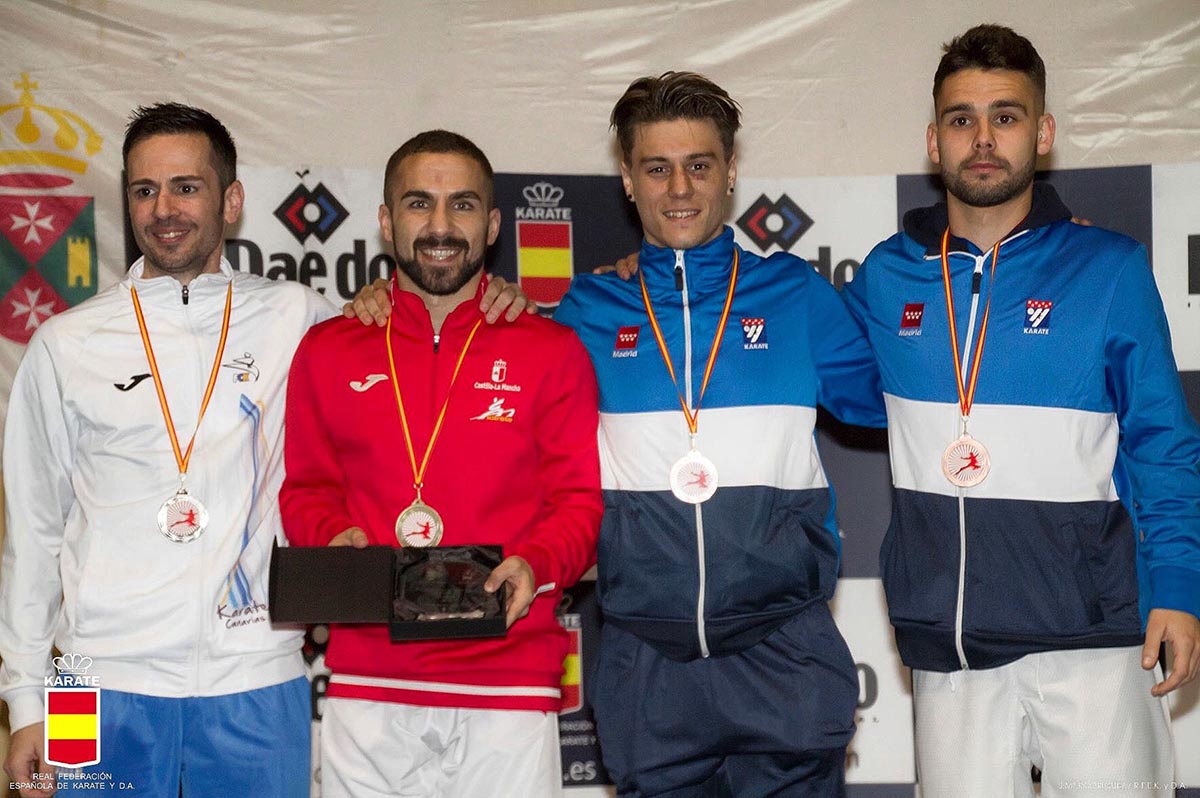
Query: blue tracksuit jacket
[[715, 578], [1091, 513]]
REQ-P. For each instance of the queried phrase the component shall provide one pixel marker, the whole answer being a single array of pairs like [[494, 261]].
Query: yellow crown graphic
[[67, 129]]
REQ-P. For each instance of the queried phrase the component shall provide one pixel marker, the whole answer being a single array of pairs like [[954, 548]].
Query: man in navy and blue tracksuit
[[1045, 535], [720, 669]]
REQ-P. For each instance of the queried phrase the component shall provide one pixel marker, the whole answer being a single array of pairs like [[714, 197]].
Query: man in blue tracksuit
[[1045, 536], [720, 669]]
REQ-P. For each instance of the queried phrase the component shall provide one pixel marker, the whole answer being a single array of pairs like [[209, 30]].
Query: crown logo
[[542, 195], [68, 129], [72, 664]]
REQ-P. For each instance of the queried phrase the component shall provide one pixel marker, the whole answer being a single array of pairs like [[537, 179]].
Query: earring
[[731, 190], [629, 197]]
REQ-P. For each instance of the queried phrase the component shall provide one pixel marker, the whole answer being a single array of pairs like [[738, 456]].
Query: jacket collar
[[926, 225], [411, 317], [706, 267], [165, 287]]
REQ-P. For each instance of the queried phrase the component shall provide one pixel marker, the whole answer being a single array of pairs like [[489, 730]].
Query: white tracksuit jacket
[[88, 462]]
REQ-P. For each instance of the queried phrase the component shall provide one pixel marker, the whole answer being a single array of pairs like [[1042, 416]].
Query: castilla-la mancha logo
[[72, 713], [47, 232]]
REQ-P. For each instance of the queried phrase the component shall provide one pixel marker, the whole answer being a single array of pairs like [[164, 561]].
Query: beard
[[440, 281], [991, 193]]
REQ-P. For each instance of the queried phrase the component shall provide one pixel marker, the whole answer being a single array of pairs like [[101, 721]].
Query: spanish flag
[[73, 727], [544, 261], [572, 680]]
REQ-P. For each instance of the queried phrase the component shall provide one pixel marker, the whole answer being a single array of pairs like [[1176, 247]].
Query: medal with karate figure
[[182, 518], [419, 524], [965, 461], [693, 477]]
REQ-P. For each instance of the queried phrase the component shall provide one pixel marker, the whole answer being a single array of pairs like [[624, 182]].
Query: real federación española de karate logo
[[47, 231], [72, 713]]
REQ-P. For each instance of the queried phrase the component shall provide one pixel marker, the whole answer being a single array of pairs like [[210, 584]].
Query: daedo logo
[[768, 223], [312, 213], [48, 246], [782, 223]]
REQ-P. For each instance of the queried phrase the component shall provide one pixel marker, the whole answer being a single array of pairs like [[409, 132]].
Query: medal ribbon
[[419, 472], [182, 458], [692, 416], [966, 393]]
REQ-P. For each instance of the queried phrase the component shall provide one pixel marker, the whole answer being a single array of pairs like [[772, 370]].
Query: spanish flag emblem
[[544, 261], [572, 680], [73, 727]]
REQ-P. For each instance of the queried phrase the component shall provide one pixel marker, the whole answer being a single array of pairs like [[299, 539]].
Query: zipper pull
[[437, 339], [976, 279], [679, 270], [185, 294]]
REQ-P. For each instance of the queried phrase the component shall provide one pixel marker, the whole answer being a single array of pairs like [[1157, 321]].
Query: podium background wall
[[836, 96]]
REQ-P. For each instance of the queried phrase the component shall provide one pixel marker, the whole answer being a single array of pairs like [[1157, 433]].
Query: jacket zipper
[[681, 286], [976, 283]]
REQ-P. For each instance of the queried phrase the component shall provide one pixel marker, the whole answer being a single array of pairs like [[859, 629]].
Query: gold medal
[[419, 525], [182, 517], [693, 478]]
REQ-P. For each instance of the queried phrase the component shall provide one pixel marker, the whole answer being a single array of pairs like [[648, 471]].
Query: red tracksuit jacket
[[515, 464]]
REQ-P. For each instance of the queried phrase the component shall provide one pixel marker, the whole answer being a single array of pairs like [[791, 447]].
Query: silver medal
[[693, 478], [419, 525], [182, 518], [966, 462]]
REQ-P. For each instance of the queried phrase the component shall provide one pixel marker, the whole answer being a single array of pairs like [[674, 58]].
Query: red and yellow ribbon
[[419, 471], [692, 416], [966, 393], [182, 458]]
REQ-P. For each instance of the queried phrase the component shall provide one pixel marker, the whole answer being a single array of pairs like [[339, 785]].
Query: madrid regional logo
[[72, 714], [47, 231]]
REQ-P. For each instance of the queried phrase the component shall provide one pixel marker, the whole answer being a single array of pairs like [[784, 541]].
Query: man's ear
[[627, 181], [1046, 131], [234, 198], [385, 223], [493, 225], [931, 144]]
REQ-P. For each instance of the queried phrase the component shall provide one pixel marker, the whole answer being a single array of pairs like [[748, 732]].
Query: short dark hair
[[439, 141], [169, 118], [670, 96], [992, 47]]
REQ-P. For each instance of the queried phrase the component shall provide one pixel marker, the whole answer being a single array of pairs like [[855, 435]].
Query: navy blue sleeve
[[1158, 461]]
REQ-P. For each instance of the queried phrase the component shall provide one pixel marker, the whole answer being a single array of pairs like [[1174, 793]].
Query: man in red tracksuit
[[439, 425]]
